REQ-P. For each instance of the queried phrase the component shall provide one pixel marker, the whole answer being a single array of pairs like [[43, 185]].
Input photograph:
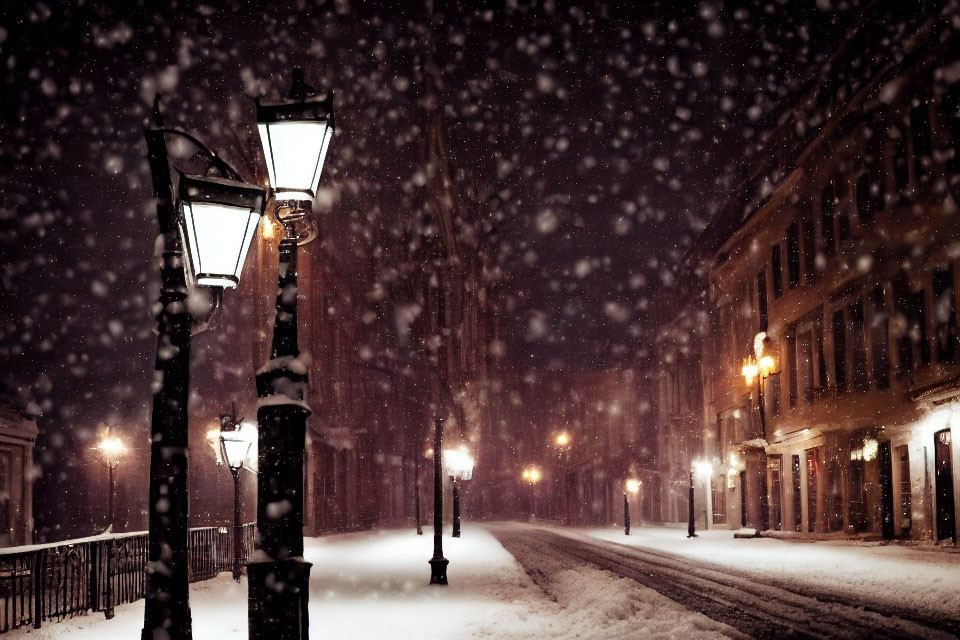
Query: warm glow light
[[633, 485], [458, 463], [563, 440], [531, 475], [750, 371], [766, 365], [111, 449], [703, 468]]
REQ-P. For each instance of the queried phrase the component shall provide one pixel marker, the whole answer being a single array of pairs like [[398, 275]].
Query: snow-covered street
[[510, 580]]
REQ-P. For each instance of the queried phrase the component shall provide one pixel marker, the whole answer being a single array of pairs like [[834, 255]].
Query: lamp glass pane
[[252, 223], [218, 236], [294, 152], [235, 449]]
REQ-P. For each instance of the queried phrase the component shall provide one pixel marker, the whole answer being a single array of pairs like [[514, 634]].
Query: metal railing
[[53, 582]]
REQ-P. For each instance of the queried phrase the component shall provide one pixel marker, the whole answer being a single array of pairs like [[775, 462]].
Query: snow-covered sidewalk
[[927, 581], [374, 585]]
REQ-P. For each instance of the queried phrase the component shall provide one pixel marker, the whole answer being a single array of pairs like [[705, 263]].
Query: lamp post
[[760, 366], [213, 217], [563, 443], [532, 476], [632, 485], [295, 135], [438, 564], [459, 465], [111, 449], [232, 444], [705, 470]]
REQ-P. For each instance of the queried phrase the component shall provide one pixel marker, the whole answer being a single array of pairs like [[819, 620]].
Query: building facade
[[837, 260]]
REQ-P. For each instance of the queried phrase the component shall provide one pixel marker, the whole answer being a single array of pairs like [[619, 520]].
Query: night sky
[[608, 133]]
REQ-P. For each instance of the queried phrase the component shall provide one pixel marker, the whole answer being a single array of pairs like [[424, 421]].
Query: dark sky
[[608, 131]]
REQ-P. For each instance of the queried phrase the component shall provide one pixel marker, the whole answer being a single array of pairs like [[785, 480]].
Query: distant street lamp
[[438, 564], [111, 450], [459, 465], [213, 218], [232, 444], [563, 442], [632, 485], [702, 469], [295, 134], [532, 476]]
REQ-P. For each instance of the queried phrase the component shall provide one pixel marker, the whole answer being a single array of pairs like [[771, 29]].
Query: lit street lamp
[[111, 449], [702, 469], [213, 217], [631, 486], [532, 476], [759, 367], [459, 465], [563, 442], [295, 135], [232, 444]]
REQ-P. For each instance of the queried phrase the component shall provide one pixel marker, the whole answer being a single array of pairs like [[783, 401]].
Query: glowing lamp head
[[766, 366], [633, 485], [295, 135], [458, 463], [218, 219], [703, 468], [563, 439], [531, 475], [750, 371], [111, 450]]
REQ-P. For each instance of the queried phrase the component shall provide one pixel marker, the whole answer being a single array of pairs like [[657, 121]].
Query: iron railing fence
[[54, 582]]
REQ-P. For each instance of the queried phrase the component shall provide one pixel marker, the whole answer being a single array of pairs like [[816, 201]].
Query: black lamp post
[[295, 134], [438, 564], [216, 219], [111, 449], [691, 526], [232, 444]]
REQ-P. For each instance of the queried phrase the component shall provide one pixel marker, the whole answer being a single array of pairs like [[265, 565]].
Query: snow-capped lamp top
[[218, 219], [295, 135]]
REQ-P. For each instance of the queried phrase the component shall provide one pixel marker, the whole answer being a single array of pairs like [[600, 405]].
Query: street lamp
[[438, 564], [214, 217], [563, 442], [111, 449], [531, 475], [632, 485], [760, 366], [296, 135], [232, 444], [459, 465], [703, 469]]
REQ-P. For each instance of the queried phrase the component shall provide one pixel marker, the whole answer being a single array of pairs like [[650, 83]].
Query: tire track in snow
[[758, 609]]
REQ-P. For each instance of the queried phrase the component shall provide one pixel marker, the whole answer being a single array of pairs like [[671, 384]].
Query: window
[[762, 299], [805, 368], [922, 141], [821, 356], [839, 351], [809, 249], [793, 255], [792, 368], [945, 315], [797, 503], [777, 269], [771, 396], [843, 218], [913, 348], [880, 339], [828, 198], [858, 368], [869, 196], [906, 491]]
